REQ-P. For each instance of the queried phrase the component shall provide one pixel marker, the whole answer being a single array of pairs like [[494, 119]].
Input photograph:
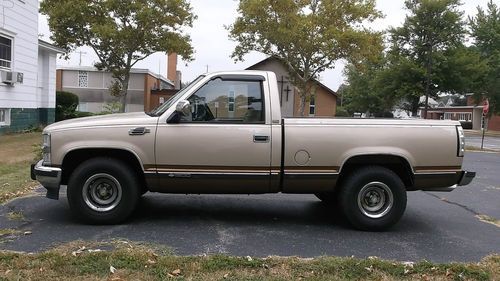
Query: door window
[[227, 102]]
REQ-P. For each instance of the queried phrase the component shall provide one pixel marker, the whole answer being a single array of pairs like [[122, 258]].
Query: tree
[[308, 36], [121, 33], [485, 29], [433, 26], [379, 86], [362, 94]]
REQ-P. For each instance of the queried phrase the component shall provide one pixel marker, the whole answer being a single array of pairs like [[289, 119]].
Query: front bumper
[[49, 177]]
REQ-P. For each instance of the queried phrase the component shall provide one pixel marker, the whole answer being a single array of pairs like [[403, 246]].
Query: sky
[[213, 48]]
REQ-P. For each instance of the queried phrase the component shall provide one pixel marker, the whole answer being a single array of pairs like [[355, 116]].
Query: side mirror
[[183, 107]]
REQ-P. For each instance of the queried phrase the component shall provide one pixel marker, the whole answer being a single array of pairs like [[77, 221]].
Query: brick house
[[323, 103], [470, 115]]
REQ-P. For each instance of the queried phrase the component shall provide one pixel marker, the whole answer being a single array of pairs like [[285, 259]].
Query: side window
[[227, 102], [312, 106], [5, 52]]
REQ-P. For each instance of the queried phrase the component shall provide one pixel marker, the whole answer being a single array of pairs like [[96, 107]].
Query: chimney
[[172, 67]]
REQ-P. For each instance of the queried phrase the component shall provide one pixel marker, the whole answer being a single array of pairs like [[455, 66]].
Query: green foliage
[[426, 56], [342, 112], [431, 28], [308, 36], [112, 107], [121, 33], [66, 104], [485, 29], [80, 114], [376, 88]]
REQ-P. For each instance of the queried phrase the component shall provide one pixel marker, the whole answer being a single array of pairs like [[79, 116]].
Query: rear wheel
[[103, 191], [373, 198]]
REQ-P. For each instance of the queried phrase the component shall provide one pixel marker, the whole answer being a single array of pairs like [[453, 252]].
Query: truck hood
[[121, 119]]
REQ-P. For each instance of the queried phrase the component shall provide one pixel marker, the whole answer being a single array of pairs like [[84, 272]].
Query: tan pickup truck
[[224, 133]]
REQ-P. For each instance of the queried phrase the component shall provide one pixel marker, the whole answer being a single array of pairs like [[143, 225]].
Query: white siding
[[21, 23], [46, 86]]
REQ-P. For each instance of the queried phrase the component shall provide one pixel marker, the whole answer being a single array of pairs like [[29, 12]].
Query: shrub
[[66, 104], [342, 112]]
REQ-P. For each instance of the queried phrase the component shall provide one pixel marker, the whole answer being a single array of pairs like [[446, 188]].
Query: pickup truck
[[224, 134]]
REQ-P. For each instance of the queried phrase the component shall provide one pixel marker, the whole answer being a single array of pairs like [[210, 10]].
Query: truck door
[[223, 146]]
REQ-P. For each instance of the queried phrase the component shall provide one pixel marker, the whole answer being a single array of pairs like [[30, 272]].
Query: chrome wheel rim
[[375, 200], [102, 192]]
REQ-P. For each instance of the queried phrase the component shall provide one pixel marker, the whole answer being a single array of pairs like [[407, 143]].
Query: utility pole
[[207, 68], [81, 53]]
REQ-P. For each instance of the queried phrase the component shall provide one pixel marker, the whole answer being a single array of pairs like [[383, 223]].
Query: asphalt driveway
[[439, 227]]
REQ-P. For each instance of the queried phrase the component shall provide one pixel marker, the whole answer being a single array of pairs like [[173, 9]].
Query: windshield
[[162, 108]]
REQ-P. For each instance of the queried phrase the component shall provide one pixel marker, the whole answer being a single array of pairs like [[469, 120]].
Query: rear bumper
[[466, 178], [48, 177], [444, 182]]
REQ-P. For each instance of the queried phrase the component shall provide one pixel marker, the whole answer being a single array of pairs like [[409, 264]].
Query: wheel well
[[76, 157], [397, 164]]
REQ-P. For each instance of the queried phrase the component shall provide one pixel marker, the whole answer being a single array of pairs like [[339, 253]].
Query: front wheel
[[103, 191], [373, 198]]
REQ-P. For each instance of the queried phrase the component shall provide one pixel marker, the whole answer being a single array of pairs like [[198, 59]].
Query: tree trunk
[[124, 92], [302, 105], [428, 82]]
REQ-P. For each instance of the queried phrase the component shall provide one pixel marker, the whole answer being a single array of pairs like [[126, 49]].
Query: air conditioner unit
[[10, 77]]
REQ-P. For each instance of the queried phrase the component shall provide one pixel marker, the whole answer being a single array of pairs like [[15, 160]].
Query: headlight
[[461, 141], [46, 149]]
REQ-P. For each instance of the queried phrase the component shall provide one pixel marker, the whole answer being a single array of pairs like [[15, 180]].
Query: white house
[[27, 68]]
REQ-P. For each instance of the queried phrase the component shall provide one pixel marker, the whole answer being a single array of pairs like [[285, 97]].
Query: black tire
[[112, 191], [372, 198]]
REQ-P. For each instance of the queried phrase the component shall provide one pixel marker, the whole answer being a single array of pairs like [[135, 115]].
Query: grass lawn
[[17, 152], [128, 261]]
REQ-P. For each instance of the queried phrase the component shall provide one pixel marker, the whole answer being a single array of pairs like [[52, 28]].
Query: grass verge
[[127, 261], [17, 152]]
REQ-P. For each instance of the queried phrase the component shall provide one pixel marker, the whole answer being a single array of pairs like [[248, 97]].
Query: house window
[[312, 106], [4, 116], [5, 52], [459, 116], [465, 117], [83, 79], [230, 102]]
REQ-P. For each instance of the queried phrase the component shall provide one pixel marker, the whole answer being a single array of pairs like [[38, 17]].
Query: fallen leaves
[[83, 249], [408, 266], [175, 273]]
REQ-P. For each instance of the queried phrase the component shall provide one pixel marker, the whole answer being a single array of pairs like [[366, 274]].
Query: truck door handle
[[257, 138], [139, 131]]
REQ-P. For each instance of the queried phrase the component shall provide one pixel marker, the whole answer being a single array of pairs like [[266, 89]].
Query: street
[[489, 142], [439, 227]]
